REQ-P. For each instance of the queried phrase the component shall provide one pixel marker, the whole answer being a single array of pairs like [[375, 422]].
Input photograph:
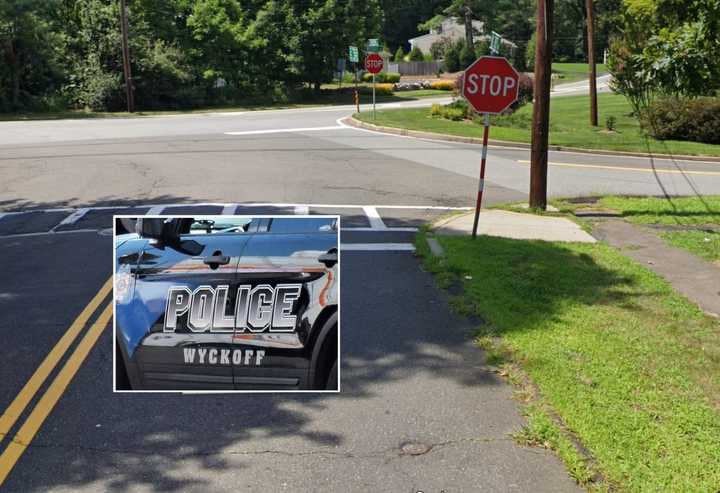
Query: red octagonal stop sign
[[490, 84], [373, 63]]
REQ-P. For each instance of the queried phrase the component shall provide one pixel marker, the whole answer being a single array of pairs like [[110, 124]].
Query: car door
[[184, 299], [292, 260]]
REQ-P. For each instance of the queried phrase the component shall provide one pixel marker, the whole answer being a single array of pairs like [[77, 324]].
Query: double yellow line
[[52, 395]]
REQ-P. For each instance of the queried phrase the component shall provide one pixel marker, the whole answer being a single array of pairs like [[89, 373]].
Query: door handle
[[329, 258], [217, 260]]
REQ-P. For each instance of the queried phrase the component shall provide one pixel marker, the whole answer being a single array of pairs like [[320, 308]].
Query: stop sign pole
[[373, 64], [490, 86]]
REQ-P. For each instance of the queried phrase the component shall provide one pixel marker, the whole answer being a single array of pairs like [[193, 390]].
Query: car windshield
[[219, 224]]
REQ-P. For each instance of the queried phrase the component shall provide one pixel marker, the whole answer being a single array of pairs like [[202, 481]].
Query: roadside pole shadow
[[679, 168], [396, 326]]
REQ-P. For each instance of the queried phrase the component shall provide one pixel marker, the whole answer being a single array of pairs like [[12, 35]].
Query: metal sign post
[[481, 183], [373, 97], [353, 57], [373, 64], [490, 86]]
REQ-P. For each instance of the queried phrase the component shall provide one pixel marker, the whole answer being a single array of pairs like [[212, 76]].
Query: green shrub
[[382, 77], [380, 89], [610, 123], [399, 54], [443, 85], [452, 58], [456, 111], [683, 119], [530, 53], [390, 77], [416, 55], [467, 56]]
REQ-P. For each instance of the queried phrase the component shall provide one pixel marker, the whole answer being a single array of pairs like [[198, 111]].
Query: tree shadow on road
[[400, 344]]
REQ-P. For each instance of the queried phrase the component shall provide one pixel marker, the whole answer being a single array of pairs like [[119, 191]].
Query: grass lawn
[[573, 72], [631, 367], [705, 244], [672, 211], [329, 97], [569, 126]]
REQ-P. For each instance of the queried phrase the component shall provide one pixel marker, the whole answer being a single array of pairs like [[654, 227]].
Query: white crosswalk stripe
[[74, 222]]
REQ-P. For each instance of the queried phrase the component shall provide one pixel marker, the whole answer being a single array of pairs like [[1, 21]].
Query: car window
[[220, 224], [302, 225]]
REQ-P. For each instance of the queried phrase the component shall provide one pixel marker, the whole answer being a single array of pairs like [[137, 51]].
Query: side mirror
[[165, 231]]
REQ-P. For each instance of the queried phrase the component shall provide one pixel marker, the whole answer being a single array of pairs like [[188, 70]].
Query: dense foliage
[[184, 52], [664, 61], [684, 119], [667, 48]]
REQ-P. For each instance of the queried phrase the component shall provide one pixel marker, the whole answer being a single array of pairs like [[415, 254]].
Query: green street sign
[[495, 43], [353, 54], [373, 45]]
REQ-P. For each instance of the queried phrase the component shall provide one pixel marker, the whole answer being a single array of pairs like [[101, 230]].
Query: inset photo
[[227, 303]]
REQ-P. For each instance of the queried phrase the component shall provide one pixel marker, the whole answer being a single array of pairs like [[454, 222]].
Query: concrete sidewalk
[[515, 225], [690, 275]]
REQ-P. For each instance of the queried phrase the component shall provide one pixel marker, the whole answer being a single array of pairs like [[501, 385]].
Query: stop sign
[[490, 84], [373, 63]]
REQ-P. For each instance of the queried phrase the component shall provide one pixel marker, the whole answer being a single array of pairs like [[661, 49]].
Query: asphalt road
[[292, 156], [408, 373]]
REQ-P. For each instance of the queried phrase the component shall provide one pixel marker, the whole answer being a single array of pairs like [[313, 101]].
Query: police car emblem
[[257, 309]]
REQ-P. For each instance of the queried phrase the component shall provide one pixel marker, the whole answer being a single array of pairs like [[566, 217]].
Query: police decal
[[213, 356], [257, 309]]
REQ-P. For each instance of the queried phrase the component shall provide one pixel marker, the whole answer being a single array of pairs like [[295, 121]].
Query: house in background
[[450, 28], [453, 29]]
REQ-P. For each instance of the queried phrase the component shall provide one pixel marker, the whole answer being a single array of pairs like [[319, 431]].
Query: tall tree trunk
[[468, 26], [12, 61]]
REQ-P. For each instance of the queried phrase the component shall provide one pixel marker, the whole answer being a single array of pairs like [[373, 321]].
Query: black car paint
[[296, 253]]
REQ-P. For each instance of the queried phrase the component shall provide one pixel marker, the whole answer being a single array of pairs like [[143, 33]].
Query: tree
[[465, 11], [467, 56], [666, 48], [416, 55], [399, 54], [400, 19], [30, 46], [452, 58]]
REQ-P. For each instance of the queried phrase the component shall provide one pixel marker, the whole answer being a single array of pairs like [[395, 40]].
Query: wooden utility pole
[[129, 96], [591, 62], [541, 105], [468, 26]]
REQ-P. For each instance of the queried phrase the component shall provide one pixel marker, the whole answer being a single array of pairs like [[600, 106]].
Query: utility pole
[[541, 106], [468, 26], [591, 62], [129, 96]]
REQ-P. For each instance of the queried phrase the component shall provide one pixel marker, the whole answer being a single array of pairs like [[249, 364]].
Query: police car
[[226, 303]]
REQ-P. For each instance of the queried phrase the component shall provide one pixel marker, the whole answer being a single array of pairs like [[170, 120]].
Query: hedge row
[[683, 119], [382, 77]]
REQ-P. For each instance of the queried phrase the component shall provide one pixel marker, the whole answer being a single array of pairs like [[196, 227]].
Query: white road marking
[[374, 218], [53, 233], [71, 219], [229, 210], [377, 247], [387, 229], [449, 143], [371, 211], [285, 130]]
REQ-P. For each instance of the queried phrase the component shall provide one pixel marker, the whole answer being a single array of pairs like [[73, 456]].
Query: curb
[[353, 122]]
